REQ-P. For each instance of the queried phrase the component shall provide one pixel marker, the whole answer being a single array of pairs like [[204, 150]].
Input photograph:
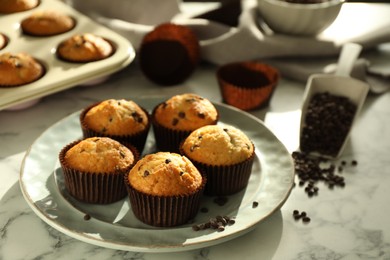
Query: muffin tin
[[59, 74]]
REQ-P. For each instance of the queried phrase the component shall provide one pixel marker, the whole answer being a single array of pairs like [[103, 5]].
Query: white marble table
[[346, 223]]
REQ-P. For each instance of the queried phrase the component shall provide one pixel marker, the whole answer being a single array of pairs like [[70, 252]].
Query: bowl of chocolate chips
[[299, 17]]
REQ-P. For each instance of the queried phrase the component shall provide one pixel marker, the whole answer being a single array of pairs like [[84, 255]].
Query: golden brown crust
[[18, 69], [116, 117], [13, 6], [165, 174], [186, 112], [99, 155], [46, 23], [218, 145], [84, 48]]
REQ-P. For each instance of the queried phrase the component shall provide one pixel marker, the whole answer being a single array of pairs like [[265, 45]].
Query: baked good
[[14, 6], [47, 23], [169, 54], [164, 189], [19, 69], [93, 169], [121, 119], [226, 155], [3, 41], [178, 116], [85, 47], [247, 85]]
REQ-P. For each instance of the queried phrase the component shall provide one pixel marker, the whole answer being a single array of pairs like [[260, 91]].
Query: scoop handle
[[349, 53]]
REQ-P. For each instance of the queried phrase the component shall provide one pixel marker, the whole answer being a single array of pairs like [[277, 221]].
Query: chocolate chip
[[146, 173], [181, 173], [121, 154], [255, 204], [220, 200], [87, 217], [175, 121], [204, 210], [181, 114], [201, 115], [354, 162], [167, 161], [306, 219]]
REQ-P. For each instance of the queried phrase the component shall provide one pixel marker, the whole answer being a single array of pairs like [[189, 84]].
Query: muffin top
[[18, 69], [165, 174], [218, 145], [46, 23], [116, 117], [13, 6], [99, 155], [84, 48], [186, 112]]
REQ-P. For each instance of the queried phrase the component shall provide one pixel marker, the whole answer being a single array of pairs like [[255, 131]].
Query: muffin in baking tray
[[47, 23], [164, 189], [226, 155], [19, 69], [86, 47], [120, 119], [175, 118], [14, 6], [93, 169], [3, 41]]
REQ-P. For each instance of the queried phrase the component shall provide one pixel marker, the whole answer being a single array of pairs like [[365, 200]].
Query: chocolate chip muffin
[[159, 183], [226, 155], [178, 116], [47, 23], [19, 69], [14, 6], [120, 119], [93, 169], [85, 47]]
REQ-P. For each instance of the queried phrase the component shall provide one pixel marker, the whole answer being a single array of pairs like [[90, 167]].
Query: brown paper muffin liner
[[94, 187], [164, 211], [169, 54], [138, 139], [247, 85], [223, 180], [167, 139]]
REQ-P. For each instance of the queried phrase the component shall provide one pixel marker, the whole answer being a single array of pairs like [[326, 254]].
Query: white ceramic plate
[[114, 226]]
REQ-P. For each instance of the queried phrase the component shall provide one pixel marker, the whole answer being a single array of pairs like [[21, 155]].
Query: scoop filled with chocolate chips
[[330, 107]]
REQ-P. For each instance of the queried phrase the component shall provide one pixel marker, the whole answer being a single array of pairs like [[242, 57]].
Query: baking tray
[[60, 75]]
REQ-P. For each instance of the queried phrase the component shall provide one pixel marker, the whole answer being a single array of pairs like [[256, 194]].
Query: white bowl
[[342, 86], [299, 19]]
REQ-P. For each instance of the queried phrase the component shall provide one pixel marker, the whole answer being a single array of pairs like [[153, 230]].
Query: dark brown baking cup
[[94, 187], [166, 139], [164, 211], [247, 85], [169, 54], [223, 180], [137, 139]]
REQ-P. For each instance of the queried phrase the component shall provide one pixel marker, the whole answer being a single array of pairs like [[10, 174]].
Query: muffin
[[93, 169], [174, 119], [85, 47], [47, 23], [164, 189], [14, 6], [3, 41], [19, 69], [247, 85], [120, 119], [224, 153], [169, 54]]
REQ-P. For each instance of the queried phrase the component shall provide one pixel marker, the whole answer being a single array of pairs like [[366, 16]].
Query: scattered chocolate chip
[[218, 223], [220, 200], [181, 173], [354, 163], [255, 204], [182, 114], [167, 161], [87, 217], [306, 219], [146, 173], [201, 115]]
